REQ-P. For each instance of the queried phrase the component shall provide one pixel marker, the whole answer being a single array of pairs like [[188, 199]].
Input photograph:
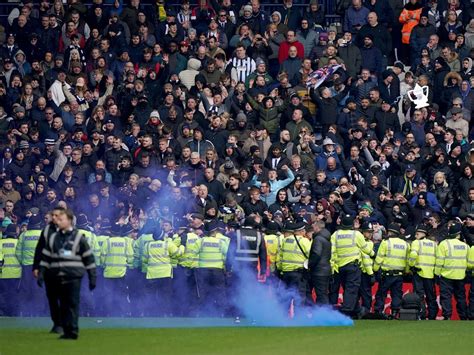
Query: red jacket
[[285, 46]]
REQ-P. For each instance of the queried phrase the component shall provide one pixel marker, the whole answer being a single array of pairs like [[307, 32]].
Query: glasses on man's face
[[76, 153]]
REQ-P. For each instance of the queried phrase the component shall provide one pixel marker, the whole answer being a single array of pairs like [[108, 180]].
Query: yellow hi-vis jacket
[[423, 257], [11, 268], [273, 244], [25, 249], [392, 255], [291, 257], [212, 252], [451, 259], [346, 247], [157, 258], [116, 257], [367, 264]]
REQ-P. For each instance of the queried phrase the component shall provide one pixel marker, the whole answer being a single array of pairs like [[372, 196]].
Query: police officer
[[451, 264], [83, 225], [186, 288], [145, 236], [392, 260], [10, 272], [273, 240], [347, 248], [367, 277], [211, 279], [25, 252], [320, 262], [247, 252], [293, 263], [137, 273], [248, 249], [159, 272], [117, 257], [169, 232], [422, 262], [65, 258]]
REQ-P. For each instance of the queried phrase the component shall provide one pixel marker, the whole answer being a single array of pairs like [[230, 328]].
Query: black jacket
[[73, 266], [320, 254], [327, 107], [385, 120]]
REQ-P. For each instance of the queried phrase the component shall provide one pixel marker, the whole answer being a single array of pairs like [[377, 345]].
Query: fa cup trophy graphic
[[419, 96]]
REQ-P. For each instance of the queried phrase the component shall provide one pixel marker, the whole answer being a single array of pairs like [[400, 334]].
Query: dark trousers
[[365, 291], [211, 284], [425, 289], [321, 288], [394, 284], [185, 292], [350, 276], [68, 293], [52, 293], [334, 286], [9, 297], [296, 287], [160, 292], [448, 288]]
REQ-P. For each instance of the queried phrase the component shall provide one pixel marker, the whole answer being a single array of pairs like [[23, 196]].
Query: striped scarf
[[244, 67], [407, 187]]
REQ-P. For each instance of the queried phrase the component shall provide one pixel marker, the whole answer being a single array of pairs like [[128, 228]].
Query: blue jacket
[[355, 17], [322, 160], [275, 186], [431, 199]]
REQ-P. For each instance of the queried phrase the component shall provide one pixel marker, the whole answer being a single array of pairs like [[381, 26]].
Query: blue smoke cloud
[[266, 306]]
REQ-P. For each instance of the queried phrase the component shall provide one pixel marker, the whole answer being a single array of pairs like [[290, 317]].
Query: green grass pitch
[[140, 336]]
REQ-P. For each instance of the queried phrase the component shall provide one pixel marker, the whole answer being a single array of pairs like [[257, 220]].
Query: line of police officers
[[196, 269]]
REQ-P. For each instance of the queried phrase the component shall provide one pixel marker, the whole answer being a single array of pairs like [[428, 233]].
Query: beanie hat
[[425, 12], [367, 207], [154, 113]]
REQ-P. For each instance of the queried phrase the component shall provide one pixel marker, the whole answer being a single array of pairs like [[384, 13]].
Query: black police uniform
[[65, 258], [247, 249], [53, 299]]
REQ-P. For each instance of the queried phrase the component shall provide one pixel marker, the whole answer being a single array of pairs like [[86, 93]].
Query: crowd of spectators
[[136, 113]]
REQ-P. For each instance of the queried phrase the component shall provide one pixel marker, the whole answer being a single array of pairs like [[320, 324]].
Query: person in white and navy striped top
[[243, 64]]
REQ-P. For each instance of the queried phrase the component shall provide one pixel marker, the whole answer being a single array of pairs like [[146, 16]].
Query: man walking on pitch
[[65, 258]]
